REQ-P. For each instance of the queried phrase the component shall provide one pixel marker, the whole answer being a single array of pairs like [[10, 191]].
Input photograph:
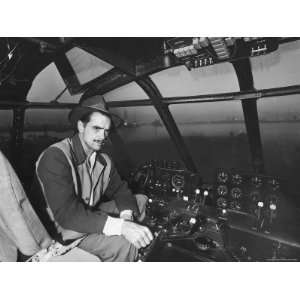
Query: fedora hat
[[91, 104]]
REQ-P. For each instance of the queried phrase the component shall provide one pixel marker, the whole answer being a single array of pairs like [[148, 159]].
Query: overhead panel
[[200, 52], [86, 66], [280, 68], [178, 81]]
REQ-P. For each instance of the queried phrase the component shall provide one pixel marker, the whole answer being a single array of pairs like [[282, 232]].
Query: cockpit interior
[[207, 129]]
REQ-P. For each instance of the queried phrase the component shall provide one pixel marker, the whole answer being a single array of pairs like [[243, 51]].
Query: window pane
[[43, 127], [280, 130], [87, 66], [47, 85], [130, 91], [280, 68], [6, 123], [144, 136], [178, 81], [215, 135]]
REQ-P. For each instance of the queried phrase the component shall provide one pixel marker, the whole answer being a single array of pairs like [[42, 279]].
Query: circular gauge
[[222, 176], [272, 199], [237, 179], [222, 202], [274, 184], [236, 205], [255, 196], [236, 193], [178, 181], [222, 190], [257, 181]]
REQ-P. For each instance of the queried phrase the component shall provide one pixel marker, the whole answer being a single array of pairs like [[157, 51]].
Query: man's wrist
[[126, 215], [113, 226]]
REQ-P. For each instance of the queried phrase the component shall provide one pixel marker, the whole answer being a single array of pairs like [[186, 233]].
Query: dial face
[[236, 205], [272, 199], [236, 193], [222, 176], [178, 181], [222, 202], [237, 179], [222, 190], [257, 181]]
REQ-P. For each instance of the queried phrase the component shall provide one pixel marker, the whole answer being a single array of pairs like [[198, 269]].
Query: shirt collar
[[79, 153]]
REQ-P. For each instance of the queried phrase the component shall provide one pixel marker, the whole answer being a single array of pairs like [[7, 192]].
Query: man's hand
[[126, 215], [140, 236]]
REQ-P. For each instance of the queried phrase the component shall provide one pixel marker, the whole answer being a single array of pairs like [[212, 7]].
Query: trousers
[[113, 248]]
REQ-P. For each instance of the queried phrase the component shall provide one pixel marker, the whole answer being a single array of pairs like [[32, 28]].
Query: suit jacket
[[61, 179]]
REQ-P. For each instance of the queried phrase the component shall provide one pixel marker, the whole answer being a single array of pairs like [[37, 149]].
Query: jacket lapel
[[97, 174], [89, 182]]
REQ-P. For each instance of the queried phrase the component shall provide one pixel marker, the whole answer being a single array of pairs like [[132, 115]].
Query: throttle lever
[[198, 222], [146, 251]]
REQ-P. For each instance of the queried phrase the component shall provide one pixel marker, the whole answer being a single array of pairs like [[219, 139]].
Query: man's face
[[93, 133]]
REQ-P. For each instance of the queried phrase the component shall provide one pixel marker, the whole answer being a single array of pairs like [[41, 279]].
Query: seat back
[[20, 226], [8, 251]]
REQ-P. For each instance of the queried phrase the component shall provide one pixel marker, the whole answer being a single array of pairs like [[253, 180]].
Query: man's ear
[[80, 126]]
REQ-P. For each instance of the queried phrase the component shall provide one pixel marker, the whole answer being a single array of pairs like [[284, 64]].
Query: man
[[73, 176]]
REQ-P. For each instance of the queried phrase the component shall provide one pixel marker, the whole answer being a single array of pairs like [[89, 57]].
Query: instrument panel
[[207, 217], [165, 178], [204, 51], [255, 194]]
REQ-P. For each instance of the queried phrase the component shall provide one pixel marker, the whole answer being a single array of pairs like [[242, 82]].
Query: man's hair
[[85, 118]]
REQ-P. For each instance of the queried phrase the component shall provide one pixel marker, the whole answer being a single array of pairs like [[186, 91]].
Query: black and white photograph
[[153, 150]]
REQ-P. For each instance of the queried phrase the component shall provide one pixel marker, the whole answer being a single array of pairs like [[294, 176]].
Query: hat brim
[[79, 111]]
